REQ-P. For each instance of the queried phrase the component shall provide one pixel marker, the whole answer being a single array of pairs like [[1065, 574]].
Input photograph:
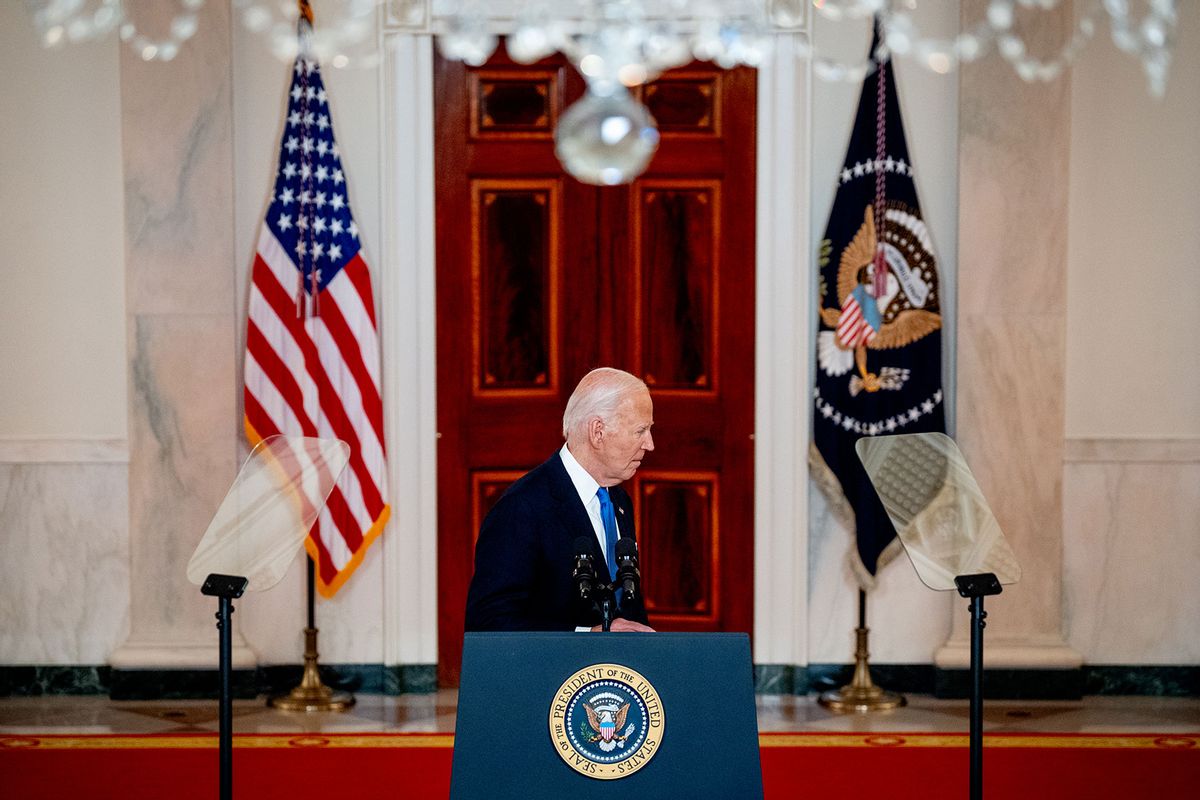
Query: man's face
[[626, 439]]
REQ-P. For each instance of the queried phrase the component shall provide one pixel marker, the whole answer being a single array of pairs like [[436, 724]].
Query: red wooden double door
[[541, 278]]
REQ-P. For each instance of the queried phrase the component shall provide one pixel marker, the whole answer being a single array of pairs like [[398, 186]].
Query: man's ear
[[595, 429]]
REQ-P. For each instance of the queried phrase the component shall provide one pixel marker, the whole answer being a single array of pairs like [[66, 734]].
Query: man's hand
[[620, 625]]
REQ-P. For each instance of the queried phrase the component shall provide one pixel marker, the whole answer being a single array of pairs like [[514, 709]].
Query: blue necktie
[[610, 531]]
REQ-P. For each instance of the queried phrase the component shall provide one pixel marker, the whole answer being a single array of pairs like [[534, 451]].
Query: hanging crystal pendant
[[606, 140]]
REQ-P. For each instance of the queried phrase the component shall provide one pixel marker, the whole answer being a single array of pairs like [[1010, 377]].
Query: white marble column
[[1013, 171], [177, 148]]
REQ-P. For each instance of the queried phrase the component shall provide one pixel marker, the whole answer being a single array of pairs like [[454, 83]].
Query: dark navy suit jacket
[[524, 557]]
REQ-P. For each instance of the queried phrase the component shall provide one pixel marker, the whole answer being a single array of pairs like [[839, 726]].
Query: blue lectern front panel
[[662, 715]]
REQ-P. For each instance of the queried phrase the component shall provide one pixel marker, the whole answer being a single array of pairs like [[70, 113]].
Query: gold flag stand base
[[311, 694], [861, 694]]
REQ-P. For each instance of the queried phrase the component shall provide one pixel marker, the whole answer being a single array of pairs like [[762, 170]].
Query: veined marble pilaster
[[65, 569], [1131, 550], [177, 143], [1013, 164]]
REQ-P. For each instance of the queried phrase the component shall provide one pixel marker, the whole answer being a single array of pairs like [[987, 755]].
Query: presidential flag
[[879, 346], [312, 348]]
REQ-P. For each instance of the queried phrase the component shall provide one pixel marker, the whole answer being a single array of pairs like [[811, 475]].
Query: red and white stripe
[[853, 330], [319, 376]]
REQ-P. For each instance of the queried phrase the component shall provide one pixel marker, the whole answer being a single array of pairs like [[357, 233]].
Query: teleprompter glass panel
[[269, 509], [937, 508]]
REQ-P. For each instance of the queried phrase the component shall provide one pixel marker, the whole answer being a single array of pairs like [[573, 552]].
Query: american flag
[[312, 348], [857, 327]]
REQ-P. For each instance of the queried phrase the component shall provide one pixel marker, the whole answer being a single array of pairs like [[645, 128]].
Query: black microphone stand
[[589, 585], [606, 608], [604, 595]]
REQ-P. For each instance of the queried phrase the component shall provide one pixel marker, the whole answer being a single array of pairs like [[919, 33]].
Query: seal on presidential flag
[[606, 721]]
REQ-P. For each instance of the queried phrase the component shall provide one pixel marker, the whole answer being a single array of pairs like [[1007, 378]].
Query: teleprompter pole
[[976, 587], [225, 712], [978, 615], [226, 588]]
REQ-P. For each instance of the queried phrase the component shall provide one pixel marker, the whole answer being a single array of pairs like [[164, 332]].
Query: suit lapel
[[576, 521], [624, 512]]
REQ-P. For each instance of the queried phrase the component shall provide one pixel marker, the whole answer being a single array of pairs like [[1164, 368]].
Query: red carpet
[[892, 766]]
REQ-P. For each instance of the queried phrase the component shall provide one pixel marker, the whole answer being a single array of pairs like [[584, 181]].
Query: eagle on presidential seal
[[606, 721], [888, 296]]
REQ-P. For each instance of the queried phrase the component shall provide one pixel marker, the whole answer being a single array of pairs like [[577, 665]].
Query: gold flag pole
[[311, 694], [861, 694]]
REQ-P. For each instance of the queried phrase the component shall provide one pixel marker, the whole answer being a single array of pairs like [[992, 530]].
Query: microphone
[[584, 573], [629, 577]]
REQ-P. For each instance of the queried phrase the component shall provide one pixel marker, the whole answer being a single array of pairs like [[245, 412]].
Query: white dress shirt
[[587, 486]]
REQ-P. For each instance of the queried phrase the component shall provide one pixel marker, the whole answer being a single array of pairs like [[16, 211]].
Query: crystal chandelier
[[350, 24], [631, 41], [608, 137], [620, 44]]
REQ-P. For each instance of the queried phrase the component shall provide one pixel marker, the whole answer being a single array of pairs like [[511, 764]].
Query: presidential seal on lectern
[[606, 721]]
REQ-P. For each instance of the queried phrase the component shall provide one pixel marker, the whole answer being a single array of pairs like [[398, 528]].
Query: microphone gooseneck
[[584, 573], [629, 576]]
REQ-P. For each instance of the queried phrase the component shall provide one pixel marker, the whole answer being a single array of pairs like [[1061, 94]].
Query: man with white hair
[[525, 554]]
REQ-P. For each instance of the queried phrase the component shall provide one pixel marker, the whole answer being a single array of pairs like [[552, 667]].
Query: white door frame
[[782, 336]]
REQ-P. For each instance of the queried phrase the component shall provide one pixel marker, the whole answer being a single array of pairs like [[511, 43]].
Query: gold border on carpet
[[1150, 741]]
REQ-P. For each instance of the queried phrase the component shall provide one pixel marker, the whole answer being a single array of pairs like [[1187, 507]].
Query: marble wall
[[177, 152], [1134, 251], [62, 266], [64, 568], [1013, 179], [1131, 550]]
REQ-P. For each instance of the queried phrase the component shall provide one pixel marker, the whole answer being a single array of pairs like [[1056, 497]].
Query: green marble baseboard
[[777, 679], [903, 678], [178, 684], [788, 679], [1012, 684], [1154, 681], [780, 679], [31, 681], [155, 684], [365, 678]]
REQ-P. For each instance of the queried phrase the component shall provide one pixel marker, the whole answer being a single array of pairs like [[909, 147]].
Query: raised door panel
[[686, 103], [511, 104], [676, 259], [680, 547], [514, 286], [487, 486]]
